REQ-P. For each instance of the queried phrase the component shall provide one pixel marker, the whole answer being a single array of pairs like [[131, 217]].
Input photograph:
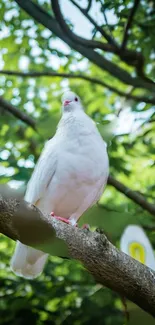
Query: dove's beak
[[66, 102]]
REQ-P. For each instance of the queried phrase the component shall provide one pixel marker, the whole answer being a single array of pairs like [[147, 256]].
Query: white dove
[[69, 177]]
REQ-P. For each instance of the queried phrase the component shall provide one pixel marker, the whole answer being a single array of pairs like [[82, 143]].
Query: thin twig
[[97, 27], [106, 21], [88, 6], [35, 74], [134, 196], [129, 23], [17, 113]]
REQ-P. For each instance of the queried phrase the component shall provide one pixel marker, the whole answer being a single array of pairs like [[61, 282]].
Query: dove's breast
[[82, 169]]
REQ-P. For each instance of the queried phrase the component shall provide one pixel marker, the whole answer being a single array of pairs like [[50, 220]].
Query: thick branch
[[75, 38], [112, 268], [131, 57], [134, 196], [129, 23], [17, 113], [34, 74], [48, 21]]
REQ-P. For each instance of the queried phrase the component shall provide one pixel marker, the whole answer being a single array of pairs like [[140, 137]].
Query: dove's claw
[[62, 219], [86, 226]]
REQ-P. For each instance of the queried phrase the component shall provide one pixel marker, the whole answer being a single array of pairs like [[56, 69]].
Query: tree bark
[[22, 221]]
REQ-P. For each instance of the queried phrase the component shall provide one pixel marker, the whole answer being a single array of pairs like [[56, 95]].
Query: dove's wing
[[27, 261], [43, 173]]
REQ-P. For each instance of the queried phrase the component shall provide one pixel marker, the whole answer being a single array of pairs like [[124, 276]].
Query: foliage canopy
[[65, 293]]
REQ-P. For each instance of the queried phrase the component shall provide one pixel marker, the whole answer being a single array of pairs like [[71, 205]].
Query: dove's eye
[[76, 99]]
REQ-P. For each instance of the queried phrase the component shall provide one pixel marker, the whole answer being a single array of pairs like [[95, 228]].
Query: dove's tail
[[27, 262]]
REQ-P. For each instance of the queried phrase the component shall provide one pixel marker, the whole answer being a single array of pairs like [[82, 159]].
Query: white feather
[[27, 262], [69, 177]]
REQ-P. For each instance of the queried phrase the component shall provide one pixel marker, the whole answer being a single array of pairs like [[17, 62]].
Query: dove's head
[[71, 102]]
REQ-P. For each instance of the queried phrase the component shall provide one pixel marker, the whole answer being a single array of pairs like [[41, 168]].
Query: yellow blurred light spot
[[137, 251]]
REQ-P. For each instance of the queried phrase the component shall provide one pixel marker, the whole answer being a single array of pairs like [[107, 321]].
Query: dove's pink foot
[[62, 219]]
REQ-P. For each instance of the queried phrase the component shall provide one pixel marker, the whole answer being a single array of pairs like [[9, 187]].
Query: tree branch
[[82, 41], [106, 20], [98, 28], [114, 269], [49, 22], [17, 113], [131, 57], [129, 23], [33, 74], [133, 195], [88, 6], [75, 38]]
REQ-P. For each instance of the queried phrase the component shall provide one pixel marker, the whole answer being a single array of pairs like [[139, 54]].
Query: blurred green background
[[65, 293]]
